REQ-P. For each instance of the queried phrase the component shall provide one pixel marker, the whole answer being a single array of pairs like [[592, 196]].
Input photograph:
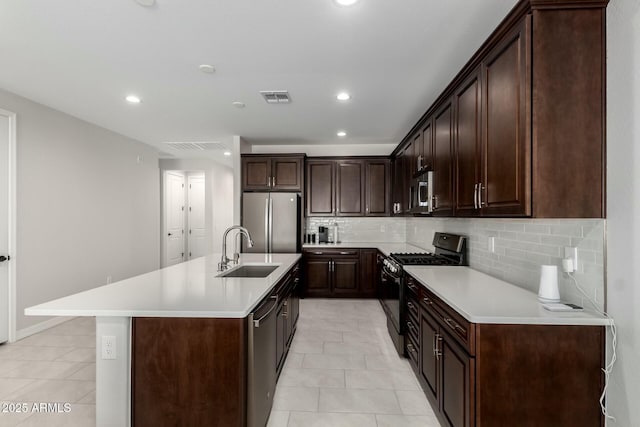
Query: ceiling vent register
[[200, 146], [276, 96]]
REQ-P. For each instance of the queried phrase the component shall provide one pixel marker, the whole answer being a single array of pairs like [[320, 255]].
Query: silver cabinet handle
[[273, 180], [438, 350], [480, 202], [454, 325], [256, 323], [475, 196]]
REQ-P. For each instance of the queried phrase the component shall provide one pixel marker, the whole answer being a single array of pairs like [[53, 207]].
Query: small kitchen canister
[[549, 291]]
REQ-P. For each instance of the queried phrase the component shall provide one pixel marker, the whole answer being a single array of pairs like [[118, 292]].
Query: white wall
[[86, 209], [623, 204], [219, 199]]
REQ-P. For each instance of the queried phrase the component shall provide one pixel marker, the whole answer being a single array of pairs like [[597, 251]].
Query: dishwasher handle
[[256, 323]]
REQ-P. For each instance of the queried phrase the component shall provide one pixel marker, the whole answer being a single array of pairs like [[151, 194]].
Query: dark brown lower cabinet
[[344, 273], [479, 375]]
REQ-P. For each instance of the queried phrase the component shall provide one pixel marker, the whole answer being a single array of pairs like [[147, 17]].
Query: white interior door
[[5, 138], [197, 230], [174, 217]]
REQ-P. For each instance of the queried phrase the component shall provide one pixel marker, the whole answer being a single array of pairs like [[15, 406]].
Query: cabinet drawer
[[412, 328], [413, 309], [461, 329], [412, 287], [413, 351]]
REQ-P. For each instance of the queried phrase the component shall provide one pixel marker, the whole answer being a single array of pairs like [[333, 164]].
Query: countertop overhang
[[188, 289]]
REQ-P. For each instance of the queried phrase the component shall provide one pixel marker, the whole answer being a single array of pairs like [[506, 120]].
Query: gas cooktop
[[450, 250]]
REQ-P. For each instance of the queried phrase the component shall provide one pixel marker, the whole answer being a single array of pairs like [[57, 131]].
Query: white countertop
[[189, 289], [480, 298], [385, 248]]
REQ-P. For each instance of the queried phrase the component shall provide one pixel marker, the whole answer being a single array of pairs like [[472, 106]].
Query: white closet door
[[197, 229], [174, 218]]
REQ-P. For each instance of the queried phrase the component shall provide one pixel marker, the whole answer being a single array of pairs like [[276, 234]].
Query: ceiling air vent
[[276, 96], [200, 146]]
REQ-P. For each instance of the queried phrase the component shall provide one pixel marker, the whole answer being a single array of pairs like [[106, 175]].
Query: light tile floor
[[342, 370], [54, 366]]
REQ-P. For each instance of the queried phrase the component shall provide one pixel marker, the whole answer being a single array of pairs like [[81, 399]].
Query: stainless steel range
[[450, 249]]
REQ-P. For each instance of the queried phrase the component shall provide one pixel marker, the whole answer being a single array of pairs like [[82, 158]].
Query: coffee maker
[[323, 234]]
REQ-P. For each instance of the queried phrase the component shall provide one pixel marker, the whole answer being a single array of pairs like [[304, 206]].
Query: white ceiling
[[394, 57]]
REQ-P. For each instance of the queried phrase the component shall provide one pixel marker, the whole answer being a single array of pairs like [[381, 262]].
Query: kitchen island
[[174, 344]]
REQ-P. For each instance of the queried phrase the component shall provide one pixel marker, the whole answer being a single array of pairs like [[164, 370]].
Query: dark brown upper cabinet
[[268, 173], [348, 187], [443, 161], [320, 183], [527, 119], [468, 151], [505, 186], [377, 187]]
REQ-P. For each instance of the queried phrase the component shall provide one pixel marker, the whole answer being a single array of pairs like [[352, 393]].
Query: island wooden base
[[189, 372]]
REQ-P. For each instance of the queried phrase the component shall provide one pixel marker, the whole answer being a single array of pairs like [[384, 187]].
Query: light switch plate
[[571, 252], [491, 244]]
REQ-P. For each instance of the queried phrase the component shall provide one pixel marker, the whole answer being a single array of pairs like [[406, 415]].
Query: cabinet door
[[442, 162], [318, 276], [409, 188], [377, 183], [398, 183], [467, 143], [350, 188], [427, 145], [320, 188], [457, 376], [506, 139], [416, 157], [345, 275], [368, 272], [428, 361], [256, 172], [286, 173]]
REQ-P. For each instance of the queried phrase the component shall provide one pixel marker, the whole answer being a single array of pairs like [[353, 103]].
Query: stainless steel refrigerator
[[273, 220]]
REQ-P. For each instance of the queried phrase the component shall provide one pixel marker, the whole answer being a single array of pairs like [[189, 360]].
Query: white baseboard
[[39, 327]]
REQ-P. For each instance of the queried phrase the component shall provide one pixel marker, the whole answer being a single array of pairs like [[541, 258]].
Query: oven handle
[[389, 274]]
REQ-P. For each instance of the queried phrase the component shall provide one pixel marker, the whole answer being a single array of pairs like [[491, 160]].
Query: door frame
[[11, 226]]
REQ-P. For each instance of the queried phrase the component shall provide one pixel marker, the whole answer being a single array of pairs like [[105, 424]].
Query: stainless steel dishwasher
[[262, 362]]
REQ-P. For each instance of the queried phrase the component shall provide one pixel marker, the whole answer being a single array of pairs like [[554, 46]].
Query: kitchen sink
[[255, 271]]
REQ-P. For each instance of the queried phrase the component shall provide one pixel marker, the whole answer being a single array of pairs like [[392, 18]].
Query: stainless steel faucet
[[224, 261]]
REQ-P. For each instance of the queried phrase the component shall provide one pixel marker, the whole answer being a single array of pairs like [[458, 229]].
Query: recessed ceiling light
[[133, 99], [227, 153], [341, 133], [206, 68], [345, 2], [238, 104], [343, 96], [146, 3]]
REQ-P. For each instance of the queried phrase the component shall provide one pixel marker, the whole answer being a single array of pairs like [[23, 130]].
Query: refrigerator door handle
[[270, 246], [266, 224]]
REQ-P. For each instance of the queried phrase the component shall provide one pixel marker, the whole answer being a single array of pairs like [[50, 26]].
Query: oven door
[[390, 286]]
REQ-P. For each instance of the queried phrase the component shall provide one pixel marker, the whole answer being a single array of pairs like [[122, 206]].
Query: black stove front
[[450, 250]]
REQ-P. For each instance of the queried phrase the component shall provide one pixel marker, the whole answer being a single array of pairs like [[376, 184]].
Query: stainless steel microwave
[[422, 202]]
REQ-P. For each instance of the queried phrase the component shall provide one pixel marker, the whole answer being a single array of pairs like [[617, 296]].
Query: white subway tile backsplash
[[362, 229]]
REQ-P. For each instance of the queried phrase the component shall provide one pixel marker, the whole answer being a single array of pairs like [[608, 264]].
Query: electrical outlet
[[491, 244], [571, 253], [108, 347], [382, 228], [109, 279]]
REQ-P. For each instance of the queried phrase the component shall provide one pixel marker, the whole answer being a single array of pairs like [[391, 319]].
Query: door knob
[[169, 234], [4, 258]]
